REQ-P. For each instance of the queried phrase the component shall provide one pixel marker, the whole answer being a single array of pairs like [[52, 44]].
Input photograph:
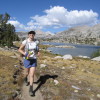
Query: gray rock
[[96, 58], [43, 66], [13, 56], [67, 57], [58, 57], [56, 82], [83, 56], [98, 95]]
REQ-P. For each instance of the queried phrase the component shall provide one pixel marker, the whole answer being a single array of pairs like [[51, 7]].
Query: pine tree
[[7, 31]]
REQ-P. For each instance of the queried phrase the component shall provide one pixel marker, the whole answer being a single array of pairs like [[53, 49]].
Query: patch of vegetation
[[96, 54], [44, 46], [10, 76], [7, 31]]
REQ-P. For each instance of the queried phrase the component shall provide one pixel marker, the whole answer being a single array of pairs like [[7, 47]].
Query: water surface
[[84, 50]]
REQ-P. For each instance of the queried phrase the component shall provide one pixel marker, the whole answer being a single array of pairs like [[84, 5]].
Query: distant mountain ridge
[[76, 35], [79, 34], [39, 34]]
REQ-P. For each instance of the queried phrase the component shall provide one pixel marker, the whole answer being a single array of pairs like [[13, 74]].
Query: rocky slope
[[80, 34], [39, 34]]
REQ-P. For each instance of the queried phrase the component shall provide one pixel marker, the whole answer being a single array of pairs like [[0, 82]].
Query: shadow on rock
[[43, 79]]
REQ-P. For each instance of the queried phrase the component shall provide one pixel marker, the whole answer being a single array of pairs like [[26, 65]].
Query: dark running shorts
[[30, 63]]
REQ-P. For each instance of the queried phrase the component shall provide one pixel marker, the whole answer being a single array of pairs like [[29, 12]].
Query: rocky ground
[[61, 79], [57, 78]]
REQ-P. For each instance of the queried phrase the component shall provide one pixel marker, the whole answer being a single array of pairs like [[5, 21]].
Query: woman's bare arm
[[21, 49]]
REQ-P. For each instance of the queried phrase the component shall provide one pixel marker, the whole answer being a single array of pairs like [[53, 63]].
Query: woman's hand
[[38, 54], [26, 54]]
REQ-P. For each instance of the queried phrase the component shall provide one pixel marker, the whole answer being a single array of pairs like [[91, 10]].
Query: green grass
[[96, 54]]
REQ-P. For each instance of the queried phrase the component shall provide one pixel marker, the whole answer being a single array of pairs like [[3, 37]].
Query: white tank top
[[30, 47]]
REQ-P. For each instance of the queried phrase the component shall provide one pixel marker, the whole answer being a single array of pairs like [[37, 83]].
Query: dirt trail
[[26, 96], [25, 91]]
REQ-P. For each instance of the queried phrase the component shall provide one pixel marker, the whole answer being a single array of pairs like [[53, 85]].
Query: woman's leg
[[27, 71], [26, 75], [31, 75]]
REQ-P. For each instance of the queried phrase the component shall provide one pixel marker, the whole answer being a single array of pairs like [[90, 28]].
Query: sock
[[31, 88], [25, 79]]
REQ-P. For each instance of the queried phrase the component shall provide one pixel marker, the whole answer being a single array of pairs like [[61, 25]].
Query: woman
[[30, 49]]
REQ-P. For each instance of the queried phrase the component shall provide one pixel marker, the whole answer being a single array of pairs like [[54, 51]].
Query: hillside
[[80, 34], [57, 78], [76, 35], [68, 79], [10, 75], [39, 34]]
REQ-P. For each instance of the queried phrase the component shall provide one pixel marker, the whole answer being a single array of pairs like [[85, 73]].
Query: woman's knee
[[27, 71], [32, 75], [32, 71]]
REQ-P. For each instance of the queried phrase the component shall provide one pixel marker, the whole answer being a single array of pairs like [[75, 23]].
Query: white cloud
[[57, 17], [20, 26], [17, 24], [60, 17]]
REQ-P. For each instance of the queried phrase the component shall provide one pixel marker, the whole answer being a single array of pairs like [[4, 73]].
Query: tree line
[[7, 31]]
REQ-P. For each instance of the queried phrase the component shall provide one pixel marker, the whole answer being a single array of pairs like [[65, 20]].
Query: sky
[[51, 15]]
